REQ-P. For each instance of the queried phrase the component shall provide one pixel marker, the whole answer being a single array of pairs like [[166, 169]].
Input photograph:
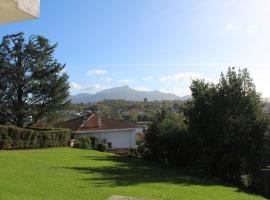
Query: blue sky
[[154, 44]]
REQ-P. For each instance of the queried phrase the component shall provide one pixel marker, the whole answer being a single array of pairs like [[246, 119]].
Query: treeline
[[222, 130], [132, 111]]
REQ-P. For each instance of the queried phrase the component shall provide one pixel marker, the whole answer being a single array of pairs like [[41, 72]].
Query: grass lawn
[[70, 174]]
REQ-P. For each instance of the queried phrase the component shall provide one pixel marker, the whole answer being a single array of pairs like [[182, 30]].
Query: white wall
[[118, 138]]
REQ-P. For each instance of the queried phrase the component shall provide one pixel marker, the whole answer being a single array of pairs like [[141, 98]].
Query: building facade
[[18, 10], [118, 134]]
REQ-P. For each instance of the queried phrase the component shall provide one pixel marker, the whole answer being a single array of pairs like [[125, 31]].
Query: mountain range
[[125, 93]]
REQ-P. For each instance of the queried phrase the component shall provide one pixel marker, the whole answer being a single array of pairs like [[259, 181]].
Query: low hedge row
[[19, 138], [90, 143]]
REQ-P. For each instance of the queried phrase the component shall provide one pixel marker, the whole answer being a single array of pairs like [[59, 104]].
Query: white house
[[17, 10], [118, 134]]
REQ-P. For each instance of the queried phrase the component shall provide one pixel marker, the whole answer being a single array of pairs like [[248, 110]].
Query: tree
[[145, 100], [167, 140], [229, 125], [32, 81]]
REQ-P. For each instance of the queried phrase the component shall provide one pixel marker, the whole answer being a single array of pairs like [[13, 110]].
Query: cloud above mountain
[[92, 72], [181, 77]]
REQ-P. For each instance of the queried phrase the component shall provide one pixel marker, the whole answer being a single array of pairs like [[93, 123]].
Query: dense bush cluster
[[19, 138], [167, 140], [90, 143], [223, 130]]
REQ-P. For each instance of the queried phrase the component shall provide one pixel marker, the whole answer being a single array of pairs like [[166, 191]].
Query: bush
[[90, 143], [102, 147], [19, 138], [83, 143], [167, 140]]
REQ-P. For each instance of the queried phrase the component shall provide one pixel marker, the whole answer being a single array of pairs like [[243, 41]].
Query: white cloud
[[115, 73], [125, 81], [95, 88], [141, 88], [106, 79], [75, 86], [178, 91], [252, 30], [260, 75], [181, 77], [96, 72], [231, 27], [149, 78]]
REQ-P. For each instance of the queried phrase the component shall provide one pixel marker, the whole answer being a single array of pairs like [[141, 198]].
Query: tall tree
[[229, 124], [32, 82]]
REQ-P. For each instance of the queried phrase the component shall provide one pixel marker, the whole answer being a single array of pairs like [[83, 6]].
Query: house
[[144, 124], [118, 134], [17, 10]]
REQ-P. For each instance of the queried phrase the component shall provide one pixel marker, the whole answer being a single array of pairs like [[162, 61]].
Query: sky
[[154, 44]]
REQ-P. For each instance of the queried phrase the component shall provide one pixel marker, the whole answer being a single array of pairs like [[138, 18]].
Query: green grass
[[70, 174]]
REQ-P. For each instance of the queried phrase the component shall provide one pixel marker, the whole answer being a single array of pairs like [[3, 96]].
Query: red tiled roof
[[106, 124], [72, 124], [93, 125]]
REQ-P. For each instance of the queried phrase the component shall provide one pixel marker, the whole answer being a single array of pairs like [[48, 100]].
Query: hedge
[[12, 138], [90, 143]]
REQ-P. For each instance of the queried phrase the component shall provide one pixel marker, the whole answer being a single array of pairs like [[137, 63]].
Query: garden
[[70, 174]]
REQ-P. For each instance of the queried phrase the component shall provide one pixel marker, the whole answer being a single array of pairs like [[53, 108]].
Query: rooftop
[[94, 122]]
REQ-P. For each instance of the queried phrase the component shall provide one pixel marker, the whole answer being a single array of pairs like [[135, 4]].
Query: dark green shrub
[[85, 143], [90, 143], [19, 138], [102, 145], [93, 142]]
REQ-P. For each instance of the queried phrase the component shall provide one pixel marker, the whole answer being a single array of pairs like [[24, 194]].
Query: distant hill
[[126, 93]]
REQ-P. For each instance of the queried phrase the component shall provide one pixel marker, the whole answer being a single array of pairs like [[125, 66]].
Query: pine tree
[[32, 82]]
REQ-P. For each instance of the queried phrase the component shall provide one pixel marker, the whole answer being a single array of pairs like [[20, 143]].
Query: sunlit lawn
[[72, 174]]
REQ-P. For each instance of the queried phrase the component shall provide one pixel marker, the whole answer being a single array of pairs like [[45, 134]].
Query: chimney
[[99, 119], [85, 122]]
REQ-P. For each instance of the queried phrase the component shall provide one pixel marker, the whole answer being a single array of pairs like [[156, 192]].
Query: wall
[[17, 10], [118, 138]]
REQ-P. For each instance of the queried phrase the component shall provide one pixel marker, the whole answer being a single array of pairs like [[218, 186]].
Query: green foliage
[[90, 143], [17, 138], [32, 82], [102, 146], [167, 139], [223, 130], [83, 143], [228, 126], [130, 110], [53, 118]]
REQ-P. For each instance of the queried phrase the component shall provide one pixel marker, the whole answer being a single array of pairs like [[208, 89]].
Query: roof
[[92, 124], [106, 124], [72, 124]]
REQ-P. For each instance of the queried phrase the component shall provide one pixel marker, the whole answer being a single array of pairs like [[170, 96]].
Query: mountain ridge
[[125, 93]]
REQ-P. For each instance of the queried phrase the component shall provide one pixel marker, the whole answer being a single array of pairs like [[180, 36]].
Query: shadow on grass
[[122, 171]]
